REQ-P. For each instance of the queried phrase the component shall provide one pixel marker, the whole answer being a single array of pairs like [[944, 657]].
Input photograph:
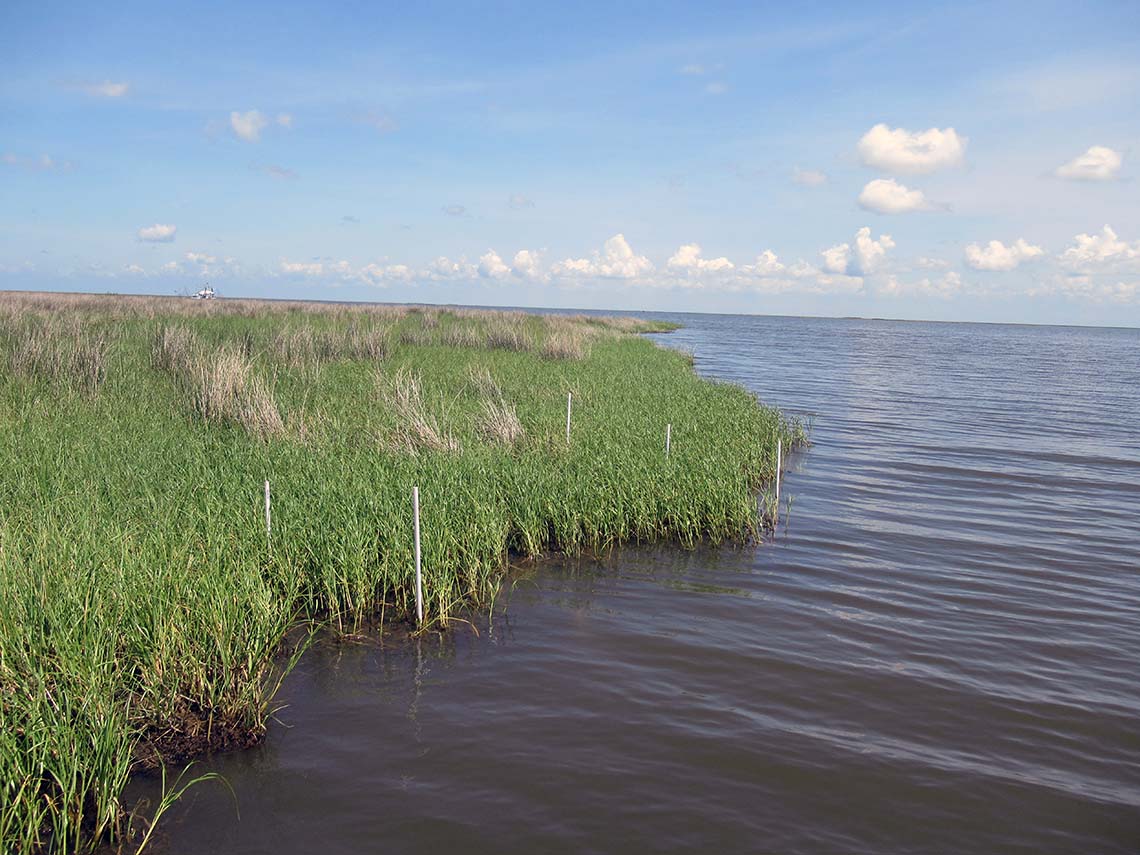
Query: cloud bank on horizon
[[750, 160]]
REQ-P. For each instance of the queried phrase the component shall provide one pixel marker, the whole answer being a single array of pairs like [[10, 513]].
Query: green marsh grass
[[144, 613]]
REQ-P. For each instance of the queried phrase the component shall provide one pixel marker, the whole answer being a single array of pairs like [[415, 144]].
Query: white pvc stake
[[668, 437], [268, 527], [779, 461], [419, 579], [569, 398]]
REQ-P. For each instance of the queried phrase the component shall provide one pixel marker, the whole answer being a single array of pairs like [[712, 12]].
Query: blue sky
[[973, 161]]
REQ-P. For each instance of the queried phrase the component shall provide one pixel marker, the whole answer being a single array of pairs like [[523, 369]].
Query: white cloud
[[105, 89], [158, 233], [285, 120], [997, 256], [200, 258], [248, 126], [1091, 289], [693, 69], [302, 268], [134, 270], [491, 266], [616, 261], [454, 210], [716, 88], [687, 259], [527, 264], [281, 172], [519, 201], [862, 259], [767, 264], [1097, 164], [887, 196], [911, 153], [1099, 251], [836, 258], [444, 269], [949, 285], [809, 177], [382, 274]]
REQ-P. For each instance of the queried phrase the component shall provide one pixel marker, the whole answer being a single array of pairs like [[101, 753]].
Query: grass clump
[[144, 613]]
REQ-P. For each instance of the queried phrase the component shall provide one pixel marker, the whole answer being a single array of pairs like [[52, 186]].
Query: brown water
[[938, 653]]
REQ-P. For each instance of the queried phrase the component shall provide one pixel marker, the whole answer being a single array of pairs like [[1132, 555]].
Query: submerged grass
[[143, 609]]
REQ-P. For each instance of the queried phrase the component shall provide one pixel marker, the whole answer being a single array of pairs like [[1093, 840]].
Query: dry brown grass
[[65, 351], [564, 344], [222, 384], [460, 335], [226, 390], [484, 383], [503, 333], [172, 349], [309, 348], [416, 429], [499, 422], [416, 337]]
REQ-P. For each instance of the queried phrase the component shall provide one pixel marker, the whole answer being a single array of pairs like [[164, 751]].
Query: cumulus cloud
[[861, 259], [887, 196], [382, 274], [527, 264], [444, 269], [105, 89], [616, 261], [997, 256], [809, 177], [158, 233], [911, 152], [1097, 164], [1099, 251], [200, 258], [767, 264], [687, 259], [491, 266]]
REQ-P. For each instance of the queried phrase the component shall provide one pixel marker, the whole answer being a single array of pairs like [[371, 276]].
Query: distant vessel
[[205, 293]]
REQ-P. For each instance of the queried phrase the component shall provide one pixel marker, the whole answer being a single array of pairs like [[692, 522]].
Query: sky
[[965, 161]]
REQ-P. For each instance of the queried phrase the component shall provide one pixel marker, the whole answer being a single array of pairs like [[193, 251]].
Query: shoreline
[[170, 596]]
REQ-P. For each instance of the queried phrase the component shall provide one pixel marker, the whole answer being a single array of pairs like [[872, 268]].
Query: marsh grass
[[143, 613]]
